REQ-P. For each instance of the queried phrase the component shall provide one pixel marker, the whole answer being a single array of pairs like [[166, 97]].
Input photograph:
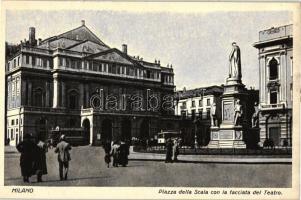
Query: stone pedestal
[[229, 134]]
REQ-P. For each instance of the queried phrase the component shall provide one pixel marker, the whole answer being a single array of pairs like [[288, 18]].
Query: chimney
[[83, 22], [39, 41], [32, 36], [158, 62], [125, 48], [155, 61]]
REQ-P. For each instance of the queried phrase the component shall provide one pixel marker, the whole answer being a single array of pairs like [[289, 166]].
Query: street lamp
[[195, 121]]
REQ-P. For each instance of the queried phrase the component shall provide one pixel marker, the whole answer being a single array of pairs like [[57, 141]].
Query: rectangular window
[[27, 59], [90, 65], [19, 61], [33, 61], [12, 134], [95, 66], [21, 121], [44, 63], [17, 121], [67, 62], [200, 113], [208, 113], [50, 63], [113, 68], [192, 103], [60, 61], [208, 102], [200, 103], [110, 68], [12, 122], [183, 114], [273, 97], [14, 63], [192, 114]]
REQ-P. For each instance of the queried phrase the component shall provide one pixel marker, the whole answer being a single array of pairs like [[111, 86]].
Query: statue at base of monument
[[235, 62], [255, 116], [237, 113], [214, 121]]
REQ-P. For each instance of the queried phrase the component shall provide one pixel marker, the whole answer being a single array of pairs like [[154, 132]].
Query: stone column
[[63, 94], [56, 93]]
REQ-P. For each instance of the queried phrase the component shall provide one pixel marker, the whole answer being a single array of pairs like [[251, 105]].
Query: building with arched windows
[[275, 54], [75, 80]]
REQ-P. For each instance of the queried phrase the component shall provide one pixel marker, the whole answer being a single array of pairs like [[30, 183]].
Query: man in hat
[[40, 165], [27, 149], [63, 158]]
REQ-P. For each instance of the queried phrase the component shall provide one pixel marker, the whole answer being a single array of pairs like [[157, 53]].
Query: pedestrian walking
[[107, 148], [175, 150], [27, 150], [63, 149], [168, 150], [40, 165], [115, 153], [124, 152]]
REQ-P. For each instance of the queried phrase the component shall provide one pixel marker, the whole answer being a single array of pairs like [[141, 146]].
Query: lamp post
[[195, 121]]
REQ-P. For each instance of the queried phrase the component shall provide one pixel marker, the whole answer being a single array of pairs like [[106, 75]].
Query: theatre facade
[[74, 80]]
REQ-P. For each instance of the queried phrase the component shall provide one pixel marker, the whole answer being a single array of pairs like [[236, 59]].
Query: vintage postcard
[[150, 100]]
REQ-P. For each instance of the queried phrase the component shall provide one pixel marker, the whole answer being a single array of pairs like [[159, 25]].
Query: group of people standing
[[118, 150], [172, 150], [33, 157]]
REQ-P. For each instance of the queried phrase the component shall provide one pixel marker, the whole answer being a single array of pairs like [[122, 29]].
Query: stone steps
[[226, 144]]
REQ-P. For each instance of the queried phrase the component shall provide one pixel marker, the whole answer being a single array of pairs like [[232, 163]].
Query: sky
[[197, 44]]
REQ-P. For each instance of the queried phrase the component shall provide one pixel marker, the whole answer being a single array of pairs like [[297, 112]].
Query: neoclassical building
[[275, 55], [75, 80], [194, 108]]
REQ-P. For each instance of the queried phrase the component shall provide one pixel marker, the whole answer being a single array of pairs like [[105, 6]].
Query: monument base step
[[226, 144]]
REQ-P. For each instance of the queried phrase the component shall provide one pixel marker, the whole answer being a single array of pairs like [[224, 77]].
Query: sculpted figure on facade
[[214, 121], [235, 62], [255, 116], [237, 113]]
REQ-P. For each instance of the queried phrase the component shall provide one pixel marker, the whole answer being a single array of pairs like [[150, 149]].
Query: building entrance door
[[274, 135], [144, 129], [86, 125], [126, 128], [106, 130]]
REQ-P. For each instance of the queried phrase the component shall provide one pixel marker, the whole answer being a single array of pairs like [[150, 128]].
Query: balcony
[[47, 110], [277, 106]]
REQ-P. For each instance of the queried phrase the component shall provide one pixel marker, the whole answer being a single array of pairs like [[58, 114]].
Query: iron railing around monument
[[188, 150]]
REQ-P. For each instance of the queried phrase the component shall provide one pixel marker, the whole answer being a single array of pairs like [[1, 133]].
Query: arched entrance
[[41, 129], [86, 126], [106, 130], [144, 129], [126, 127]]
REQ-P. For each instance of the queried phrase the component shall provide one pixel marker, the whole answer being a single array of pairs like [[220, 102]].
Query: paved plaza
[[87, 168]]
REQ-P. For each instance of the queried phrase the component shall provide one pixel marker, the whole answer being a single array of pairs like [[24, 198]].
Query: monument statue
[[235, 62], [237, 113], [213, 116], [255, 116]]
